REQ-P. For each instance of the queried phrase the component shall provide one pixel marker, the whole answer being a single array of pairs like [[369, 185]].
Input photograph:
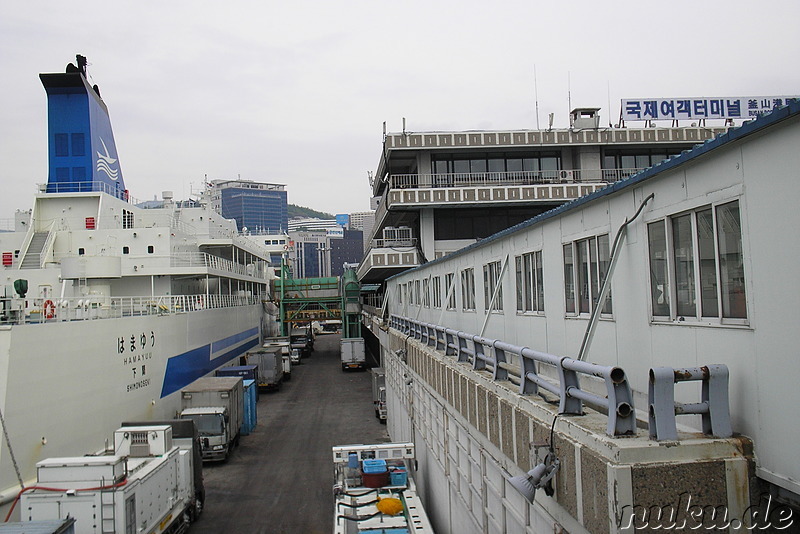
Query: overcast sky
[[297, 92]]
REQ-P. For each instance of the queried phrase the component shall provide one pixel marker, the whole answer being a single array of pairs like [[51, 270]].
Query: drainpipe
[[601, 300]]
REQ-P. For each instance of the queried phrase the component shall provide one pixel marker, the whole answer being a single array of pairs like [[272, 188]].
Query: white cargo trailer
[[145, 486]]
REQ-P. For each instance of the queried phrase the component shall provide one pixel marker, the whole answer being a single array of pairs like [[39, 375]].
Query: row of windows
[[125, 250], [448, 164], [695, 263]]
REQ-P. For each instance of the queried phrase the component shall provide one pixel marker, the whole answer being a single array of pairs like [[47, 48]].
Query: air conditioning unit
[[566, 175]]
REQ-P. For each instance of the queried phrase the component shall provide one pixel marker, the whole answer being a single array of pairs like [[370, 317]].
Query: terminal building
[[630, 338], [441, 191]]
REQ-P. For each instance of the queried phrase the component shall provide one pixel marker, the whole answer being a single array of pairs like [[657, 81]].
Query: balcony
[[517, 187], [387, 257]]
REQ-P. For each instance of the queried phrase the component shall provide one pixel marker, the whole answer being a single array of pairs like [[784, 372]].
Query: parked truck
[[146, 485], [379, 393], [270, 366], [353, 355], [216, 405], [185, 436], [303, 340]]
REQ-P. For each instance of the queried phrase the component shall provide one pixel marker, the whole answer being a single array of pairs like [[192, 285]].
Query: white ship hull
[[67, 386]]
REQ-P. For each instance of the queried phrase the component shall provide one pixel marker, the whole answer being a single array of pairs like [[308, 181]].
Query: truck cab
[[213, 428]]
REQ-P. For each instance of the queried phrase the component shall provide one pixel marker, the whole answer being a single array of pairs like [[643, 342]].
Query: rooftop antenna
[[569, 92], [536, 95], [608, 92], [404, 126]]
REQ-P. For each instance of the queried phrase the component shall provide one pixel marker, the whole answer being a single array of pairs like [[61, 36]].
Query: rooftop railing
[[493, 355]]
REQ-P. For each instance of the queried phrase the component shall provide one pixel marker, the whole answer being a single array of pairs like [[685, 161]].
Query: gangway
[[304, 300]]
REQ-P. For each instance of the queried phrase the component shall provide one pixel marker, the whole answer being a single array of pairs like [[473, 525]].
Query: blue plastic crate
[[374, 466]]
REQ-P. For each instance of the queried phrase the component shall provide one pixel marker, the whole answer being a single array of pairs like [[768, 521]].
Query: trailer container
[[250, 417]]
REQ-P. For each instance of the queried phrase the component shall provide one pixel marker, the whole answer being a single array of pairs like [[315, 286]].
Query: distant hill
[[300, 211]]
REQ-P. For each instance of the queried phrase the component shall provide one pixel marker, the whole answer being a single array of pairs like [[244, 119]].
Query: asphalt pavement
[[280, 478]]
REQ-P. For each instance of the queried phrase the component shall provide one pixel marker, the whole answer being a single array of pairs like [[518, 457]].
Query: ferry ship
[[109, 307]]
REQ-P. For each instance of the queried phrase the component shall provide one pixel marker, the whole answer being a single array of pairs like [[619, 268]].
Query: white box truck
[[270, 366], [216, 405], [353, 355], [145, 486]]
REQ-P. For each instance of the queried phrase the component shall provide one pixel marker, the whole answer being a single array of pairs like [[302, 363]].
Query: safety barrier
[[713, 406], [493, 355]]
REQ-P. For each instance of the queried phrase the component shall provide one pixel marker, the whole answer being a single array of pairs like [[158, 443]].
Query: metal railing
[[394, 243], [493, 355], [512, 178], [202, 259], [87, 187], [713, 407], [98, 307]]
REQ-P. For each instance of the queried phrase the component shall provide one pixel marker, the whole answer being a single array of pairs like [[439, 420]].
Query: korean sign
[[744, 107]]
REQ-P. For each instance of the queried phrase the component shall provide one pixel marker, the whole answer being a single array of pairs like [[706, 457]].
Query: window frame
[[583, 289], [529, 280], [492, 281], [700, 273], [468, 289]]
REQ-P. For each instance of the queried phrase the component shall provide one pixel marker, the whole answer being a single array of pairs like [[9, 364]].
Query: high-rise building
[[348, 249], [259, 207]]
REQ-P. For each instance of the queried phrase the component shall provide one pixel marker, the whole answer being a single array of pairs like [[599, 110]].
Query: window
[[492, 283], [127, 219], [586, 265], [126, 250], [468, 289], [399, 293], [697, 266], [437, 291], [81, 251], [150, 249], [450, 282], [530, 286], [417, 300], [426, 292]]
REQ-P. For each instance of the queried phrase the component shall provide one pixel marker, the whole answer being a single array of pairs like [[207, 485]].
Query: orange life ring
[[49, 309]]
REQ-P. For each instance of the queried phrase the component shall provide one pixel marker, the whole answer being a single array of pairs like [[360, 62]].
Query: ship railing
[[522, 366], [203, 259], [508, 178], [88, 187], [50, 310]]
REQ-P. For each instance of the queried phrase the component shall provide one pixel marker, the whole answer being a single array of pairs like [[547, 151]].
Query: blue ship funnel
[[82, 152]]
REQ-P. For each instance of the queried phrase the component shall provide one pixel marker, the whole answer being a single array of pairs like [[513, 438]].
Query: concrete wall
[[472, 433]]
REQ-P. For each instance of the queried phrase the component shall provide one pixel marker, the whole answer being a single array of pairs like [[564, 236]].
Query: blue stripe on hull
[[185, 368], [217, 346]]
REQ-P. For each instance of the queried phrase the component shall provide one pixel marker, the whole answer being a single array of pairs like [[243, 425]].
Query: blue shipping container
[[250, 407], [247, 372]]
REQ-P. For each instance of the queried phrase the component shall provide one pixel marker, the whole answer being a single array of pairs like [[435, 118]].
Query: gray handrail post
[[568, 379], [621, 414], [449, 342], [717, 421], [526, 385], [462, 345], [478, 362], [440, 343], [713, 407], [500, 373]]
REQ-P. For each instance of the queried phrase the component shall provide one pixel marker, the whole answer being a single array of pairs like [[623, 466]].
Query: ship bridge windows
[[697, 265], [127, 219]]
